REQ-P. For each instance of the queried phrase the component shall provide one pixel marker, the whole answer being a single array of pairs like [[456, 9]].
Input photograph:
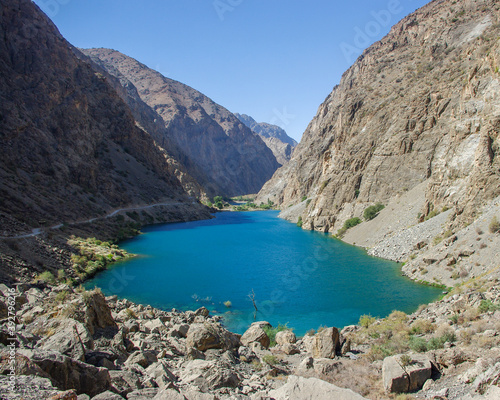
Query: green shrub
[[304, 198], [372, 211], [270, 359], [405, 360], [62, 296], [352, 222], [366, 320], [494, 225], [271, 332], [418, 344], [61, 275], [46, 277], [488, 305], [299, 222]]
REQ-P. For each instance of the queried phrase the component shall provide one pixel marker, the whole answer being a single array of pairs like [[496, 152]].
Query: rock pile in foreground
[[77, 344]]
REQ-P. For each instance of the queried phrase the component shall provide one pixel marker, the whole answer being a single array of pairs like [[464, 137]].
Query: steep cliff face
[[274, 137], [70, 146], [224, 155], [421, 105], [413, 124]]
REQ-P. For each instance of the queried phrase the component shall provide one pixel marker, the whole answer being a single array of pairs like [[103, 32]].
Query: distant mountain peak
[[274, 137], [266, 130]]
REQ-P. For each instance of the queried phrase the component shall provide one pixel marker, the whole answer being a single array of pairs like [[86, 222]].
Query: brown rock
[[210, 336], [67, 395], [97, 312], [326, 343]]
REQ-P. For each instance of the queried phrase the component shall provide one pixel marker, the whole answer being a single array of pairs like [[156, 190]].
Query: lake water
[[300, 278]]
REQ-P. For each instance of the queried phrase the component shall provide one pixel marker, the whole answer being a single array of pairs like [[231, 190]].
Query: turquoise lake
[[300, 278]]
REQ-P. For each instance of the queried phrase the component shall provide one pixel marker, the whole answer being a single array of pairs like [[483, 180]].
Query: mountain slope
[[221, 153], [70, 146], [419, 113], [274, 137]]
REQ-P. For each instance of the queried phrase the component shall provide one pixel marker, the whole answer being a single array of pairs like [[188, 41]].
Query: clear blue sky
[[275, 60]]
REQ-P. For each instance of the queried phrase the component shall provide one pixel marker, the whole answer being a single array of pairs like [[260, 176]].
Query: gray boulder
[[125, 381], [299, 388], [210, 375], [256, 334], [108, 395], [143, 358], [68, 339], [169, 394], [405, 375], [67, 373], [210, 336], [286, 337]]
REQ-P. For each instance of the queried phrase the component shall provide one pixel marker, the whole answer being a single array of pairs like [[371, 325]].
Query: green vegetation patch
[[94, 256], [372, 211], [271, 332]]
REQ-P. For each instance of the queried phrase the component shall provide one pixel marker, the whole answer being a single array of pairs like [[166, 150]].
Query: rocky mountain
[[71, 149], [220, 152], [414, 124], [70, 145], [275, 137]]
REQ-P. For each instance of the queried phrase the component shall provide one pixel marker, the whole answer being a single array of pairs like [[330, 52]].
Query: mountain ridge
[[275, 137], [228, 157]]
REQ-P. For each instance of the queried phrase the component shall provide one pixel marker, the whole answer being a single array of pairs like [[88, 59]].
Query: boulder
[[66, 395], [326, 343], [180, 330], [34, 295], [154, 326], [169, 394], [209, 375], [394, 377], [203, 312], [402, 376], [246, 355], [67, 373], [210, 336], [488, 378], [285, 337], [132, 326], [143, 394], [97, 312], [305, 367], [299, 388], [161, 374], [143, 358], [192, 394], [68, 339], [24, 366], [289, 349], [125, 381], [255, 334], [108, 395]]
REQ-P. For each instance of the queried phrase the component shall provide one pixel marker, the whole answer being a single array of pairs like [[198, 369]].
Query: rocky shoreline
[[77, 344]]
